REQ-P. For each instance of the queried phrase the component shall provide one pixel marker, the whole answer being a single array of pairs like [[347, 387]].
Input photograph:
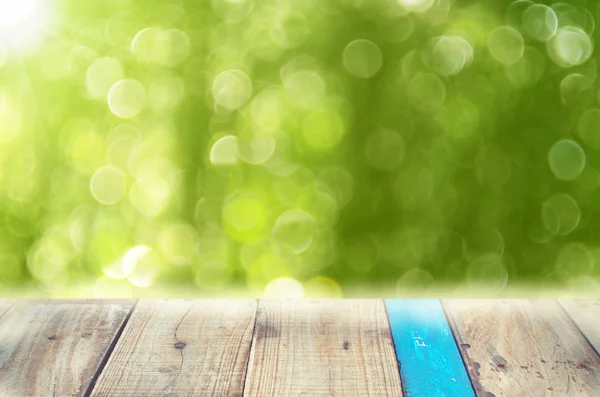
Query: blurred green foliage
[[298, 147]]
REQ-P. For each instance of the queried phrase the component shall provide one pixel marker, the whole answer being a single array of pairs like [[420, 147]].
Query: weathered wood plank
[[429, 361], [322, 348], [54, 348], [586, 314], [5, 305], [523, 348], [181, 348]]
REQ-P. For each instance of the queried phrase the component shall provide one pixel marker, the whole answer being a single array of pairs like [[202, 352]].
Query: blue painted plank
[[429, 361]]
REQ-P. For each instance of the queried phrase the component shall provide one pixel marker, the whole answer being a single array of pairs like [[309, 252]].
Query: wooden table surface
[[347, 347]]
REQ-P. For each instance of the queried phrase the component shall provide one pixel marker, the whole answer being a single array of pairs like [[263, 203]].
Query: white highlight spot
[[141, 265], [22, 22], [419, 6], [284, 287]]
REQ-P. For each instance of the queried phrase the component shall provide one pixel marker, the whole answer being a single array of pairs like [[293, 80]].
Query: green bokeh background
[[270, 152]]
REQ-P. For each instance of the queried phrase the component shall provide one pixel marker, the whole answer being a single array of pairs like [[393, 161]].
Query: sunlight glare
[[22, 22]]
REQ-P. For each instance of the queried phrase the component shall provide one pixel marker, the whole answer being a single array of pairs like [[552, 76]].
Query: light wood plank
[[181, 348], [586, 314], [523, 348], [5, 305], [322, 348], [54, 348], [430, 364]]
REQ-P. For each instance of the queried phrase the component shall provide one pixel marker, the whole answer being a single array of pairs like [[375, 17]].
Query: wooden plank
[[322, 348], [5, 305], [181, 348], [429, 361], [586, 315], [523, 348], [55, 348]]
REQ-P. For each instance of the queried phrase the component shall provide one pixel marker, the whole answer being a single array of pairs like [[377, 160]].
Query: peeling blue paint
[[429, 362]]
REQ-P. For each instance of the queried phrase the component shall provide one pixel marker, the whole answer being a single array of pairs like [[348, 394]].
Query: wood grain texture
[[54, 348], [523, 348], [181, 348], [5, 305], [586, 315], [429, 361], [322, 348]]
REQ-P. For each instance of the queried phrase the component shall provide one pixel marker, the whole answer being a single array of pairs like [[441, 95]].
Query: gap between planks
[[55, 347], [589, 325], [250, 349], [111, 347]]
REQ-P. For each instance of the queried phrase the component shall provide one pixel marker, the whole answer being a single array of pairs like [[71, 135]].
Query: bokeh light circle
[[155, 45], [413, 279], [126, 98], [575, 88], [362, 58], [567, 159], [233, 10], [506, 45], [570, 46], [323, 129], [561, 214], [244, 215], [141, 265], [515, 11], [540, 22], [295, 230], [108, 185], [418, 6], [102, 74], [225, 151], [284, 287], [574, 260], [322, 287], [488, 272], [426, 92], [231, 89], [450, 54]]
